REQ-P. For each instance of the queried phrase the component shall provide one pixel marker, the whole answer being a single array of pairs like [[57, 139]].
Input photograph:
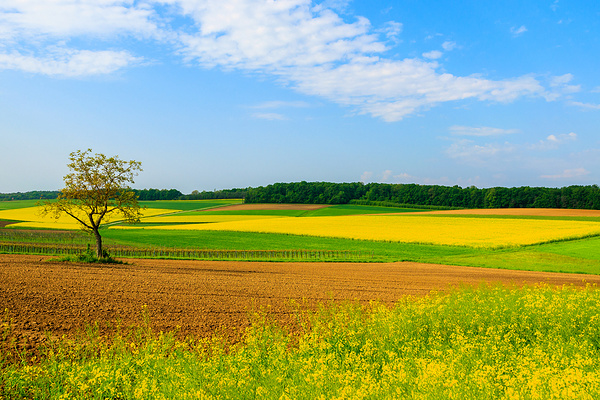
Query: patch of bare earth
[[204, 297], [264, 206], [544, 212]]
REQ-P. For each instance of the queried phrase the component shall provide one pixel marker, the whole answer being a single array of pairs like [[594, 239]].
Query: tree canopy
[[583, 197], [97, 186]]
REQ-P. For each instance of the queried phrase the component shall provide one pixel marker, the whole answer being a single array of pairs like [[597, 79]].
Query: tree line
[[582, 197], [433, 196], [143, 195], [33, 195], [174, 194]]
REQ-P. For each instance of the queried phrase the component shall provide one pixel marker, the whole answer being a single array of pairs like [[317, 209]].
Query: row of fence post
[[27, 248]]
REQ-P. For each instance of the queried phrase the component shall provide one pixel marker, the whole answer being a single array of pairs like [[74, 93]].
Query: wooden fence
[[197, 254]]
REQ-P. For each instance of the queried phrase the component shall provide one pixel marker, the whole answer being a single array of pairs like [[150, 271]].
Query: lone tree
[[96, 187]]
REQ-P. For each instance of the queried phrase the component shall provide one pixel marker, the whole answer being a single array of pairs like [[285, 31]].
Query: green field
[[578, 256], [12, 205]]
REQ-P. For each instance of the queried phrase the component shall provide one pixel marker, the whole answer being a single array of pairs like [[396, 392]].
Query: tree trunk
[[98, 243]]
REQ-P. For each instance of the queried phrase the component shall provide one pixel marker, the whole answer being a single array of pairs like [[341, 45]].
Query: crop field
[[472, 232], [528, 239], [402, 308]]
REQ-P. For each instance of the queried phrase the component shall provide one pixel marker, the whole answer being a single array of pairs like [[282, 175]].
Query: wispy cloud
[[473, 153], [281, 104], [568, 174], [70, 63], [43, 19], [554, 141], [270, 116], [433, 55], [480, 131], [449, 45], [518, 31], [585, 106], [308, 47], [392, 30], [366, 176]]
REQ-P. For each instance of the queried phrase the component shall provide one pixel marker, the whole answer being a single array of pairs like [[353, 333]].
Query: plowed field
[[202, 297]]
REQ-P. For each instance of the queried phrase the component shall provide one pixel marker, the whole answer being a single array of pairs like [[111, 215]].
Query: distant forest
[[143, 195], [430, 196], [434, 196]]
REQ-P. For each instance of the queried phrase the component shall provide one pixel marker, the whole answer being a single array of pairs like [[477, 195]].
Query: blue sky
[[235, 93]]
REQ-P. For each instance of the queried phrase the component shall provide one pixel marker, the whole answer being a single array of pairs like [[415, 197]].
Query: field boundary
[[191, 254]]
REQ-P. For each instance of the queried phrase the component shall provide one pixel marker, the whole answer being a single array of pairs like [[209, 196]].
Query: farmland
[[535, 239], [403, 309]]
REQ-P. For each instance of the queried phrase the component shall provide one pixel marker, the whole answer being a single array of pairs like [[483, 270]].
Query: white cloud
[[586, 106], [568, 173], [449, 46], [366, 176], [471, 152], [554, 141], [559, 86], [305, 46], [561, 80], [270, 116], [518, 31], [387, 174], [562, 137], [394, 89], [403, 176], [281, 104], [314, 51], [65, 18], [272, 36], [392, 30], [35, 33], [433, 55], [506, 156], [69, 63], [480, 131]]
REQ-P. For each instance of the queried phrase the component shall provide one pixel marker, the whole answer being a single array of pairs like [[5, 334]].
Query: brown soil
[[204, 297], [5, 223], [261, 206], [545, 212]]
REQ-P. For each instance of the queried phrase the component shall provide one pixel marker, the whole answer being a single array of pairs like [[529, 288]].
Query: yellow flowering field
[[203, 218], [490, 343], [474, 232], [32, 218]]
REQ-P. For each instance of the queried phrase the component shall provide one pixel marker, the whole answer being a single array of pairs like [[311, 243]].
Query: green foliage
[[95, 187], [157, 194], [492, 343], [24, 196], [216, 194], [90, 256], [584, 197]]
